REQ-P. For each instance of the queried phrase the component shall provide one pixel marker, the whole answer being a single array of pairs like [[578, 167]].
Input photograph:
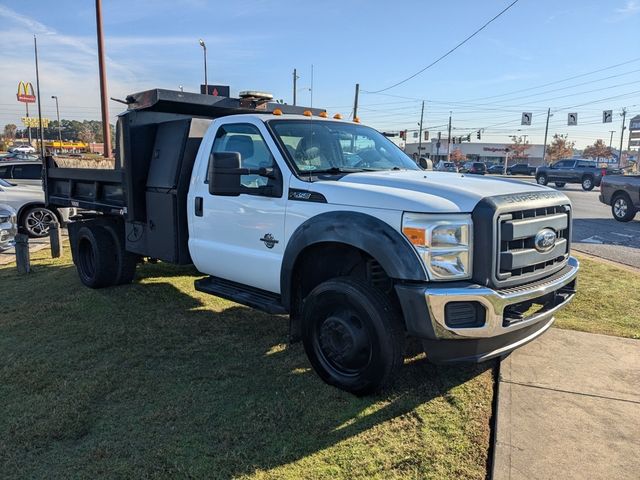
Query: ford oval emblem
[[545, 240]]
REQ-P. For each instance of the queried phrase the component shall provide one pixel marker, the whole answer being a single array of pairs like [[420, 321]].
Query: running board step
[[252, 297]]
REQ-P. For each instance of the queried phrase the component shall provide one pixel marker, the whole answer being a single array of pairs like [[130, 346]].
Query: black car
[[477, 168], [496, 169], [521, 169]]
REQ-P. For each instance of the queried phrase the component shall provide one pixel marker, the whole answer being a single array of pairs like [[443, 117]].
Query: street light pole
[[104, 105], [35, 50], [204, 50], [59, 126], [611, 138]]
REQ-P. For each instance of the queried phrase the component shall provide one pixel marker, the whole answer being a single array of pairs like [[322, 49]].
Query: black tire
[[352, 335], [35, 221], [126, 261], [96, 257], [560, 184], [622, 208], [588, 183], [542, 179]]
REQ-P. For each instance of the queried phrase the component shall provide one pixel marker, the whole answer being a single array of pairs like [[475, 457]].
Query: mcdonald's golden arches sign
[[26, 93]]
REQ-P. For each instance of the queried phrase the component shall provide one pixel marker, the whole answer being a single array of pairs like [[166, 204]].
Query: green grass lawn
[[157, 380], [608, 301]]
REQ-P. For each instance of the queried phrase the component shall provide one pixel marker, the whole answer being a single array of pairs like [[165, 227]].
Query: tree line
[[560, 147], [87, 131]]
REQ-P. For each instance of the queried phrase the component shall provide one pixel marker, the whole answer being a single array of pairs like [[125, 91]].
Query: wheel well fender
[[28, 206], [376, 238]]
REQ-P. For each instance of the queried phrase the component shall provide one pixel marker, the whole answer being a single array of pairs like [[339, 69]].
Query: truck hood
[[419, 191]]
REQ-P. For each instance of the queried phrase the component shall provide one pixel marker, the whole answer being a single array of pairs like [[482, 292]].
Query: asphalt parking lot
[[596, 232]]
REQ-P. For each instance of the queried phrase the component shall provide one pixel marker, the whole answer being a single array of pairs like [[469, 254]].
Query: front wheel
[[622, 209], [352, 335], [560, 184], [587, 184], [541, 179]]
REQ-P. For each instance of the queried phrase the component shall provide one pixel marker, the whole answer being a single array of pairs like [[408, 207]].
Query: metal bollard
[[55, 237], [22, 253]]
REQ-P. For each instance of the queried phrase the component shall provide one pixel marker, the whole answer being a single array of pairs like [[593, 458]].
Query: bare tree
[[10, 130], [86, 134]]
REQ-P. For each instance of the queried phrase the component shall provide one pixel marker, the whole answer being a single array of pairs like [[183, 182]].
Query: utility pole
[[546, 131], [35, 50], [449, 140], [611, 137], [624, 115], [295, 85], [420, 138], [106, 130], [355, 102], [59, 126]]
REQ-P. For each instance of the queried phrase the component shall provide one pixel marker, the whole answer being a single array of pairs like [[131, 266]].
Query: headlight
[[444, 243], [7, 214]]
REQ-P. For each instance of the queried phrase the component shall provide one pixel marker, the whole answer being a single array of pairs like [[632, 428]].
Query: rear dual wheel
[[101, 259], [352, 335]]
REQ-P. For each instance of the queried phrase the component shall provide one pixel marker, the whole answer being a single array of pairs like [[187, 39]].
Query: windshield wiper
[[336, 170]]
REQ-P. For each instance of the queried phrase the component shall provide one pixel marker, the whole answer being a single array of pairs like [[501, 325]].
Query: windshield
[[336, 147]]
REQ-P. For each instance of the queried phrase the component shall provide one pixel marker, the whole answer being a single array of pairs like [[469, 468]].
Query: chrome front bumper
[[495, 302]]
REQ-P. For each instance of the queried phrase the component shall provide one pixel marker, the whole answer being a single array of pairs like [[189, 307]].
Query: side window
[[27, 172], [254, 152], [585, 164], [563, 164], [5, 172]]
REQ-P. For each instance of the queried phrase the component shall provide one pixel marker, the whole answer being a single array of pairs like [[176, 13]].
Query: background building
[[476, 151]]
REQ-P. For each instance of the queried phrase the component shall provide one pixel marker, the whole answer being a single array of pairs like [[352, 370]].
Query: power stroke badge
[[269, 240]]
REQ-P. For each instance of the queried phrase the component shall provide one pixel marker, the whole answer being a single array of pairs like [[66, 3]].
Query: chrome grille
[[517, 260]]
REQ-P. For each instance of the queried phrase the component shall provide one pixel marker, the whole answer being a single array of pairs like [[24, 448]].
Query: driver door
[[240, 238]]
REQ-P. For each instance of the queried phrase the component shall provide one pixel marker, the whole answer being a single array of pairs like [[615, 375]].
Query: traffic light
[[453, 140], [469, 138], [478, 135]]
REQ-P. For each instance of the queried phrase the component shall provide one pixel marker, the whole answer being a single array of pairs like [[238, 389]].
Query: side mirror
[[224, 174]]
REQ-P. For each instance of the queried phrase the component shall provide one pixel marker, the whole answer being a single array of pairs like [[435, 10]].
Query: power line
[[558, 81], [449, 52]]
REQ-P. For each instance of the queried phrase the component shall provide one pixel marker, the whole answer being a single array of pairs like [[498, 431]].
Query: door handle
[[198, 206]]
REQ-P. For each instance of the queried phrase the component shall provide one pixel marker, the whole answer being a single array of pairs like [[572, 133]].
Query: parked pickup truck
[[573, 170], [290, 212], [623, 194]]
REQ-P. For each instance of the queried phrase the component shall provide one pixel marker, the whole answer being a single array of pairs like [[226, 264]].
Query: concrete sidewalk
[[569, 407]]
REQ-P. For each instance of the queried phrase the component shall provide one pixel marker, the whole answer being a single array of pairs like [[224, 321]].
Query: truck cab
[[291, 212]]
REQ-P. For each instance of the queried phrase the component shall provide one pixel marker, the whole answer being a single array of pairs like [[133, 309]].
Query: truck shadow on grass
[[155, 379]]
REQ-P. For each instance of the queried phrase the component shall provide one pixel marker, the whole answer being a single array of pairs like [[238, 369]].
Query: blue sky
[[255, 44]]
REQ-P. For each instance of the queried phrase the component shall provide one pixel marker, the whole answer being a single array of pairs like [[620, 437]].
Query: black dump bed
[[157, 140]]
